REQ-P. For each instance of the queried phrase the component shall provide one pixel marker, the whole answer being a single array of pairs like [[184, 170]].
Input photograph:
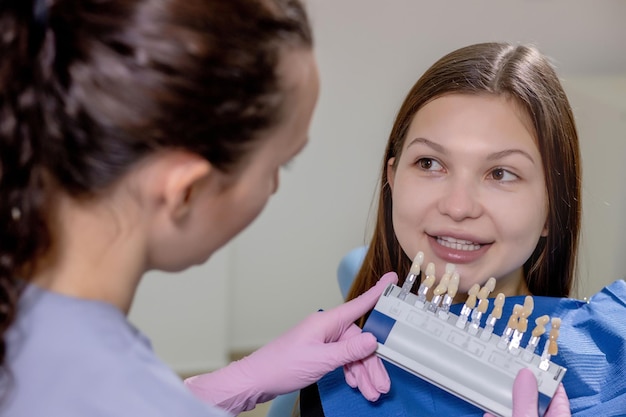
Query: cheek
[[523, 224], [409, 200], [250, 210], [409, 213], [257, 198], [242, 208]]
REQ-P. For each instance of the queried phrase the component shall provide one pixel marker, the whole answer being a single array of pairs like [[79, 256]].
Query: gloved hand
[[526, 397], [321, 343]]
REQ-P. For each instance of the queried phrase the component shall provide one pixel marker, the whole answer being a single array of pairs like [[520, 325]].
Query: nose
[[460, 200]]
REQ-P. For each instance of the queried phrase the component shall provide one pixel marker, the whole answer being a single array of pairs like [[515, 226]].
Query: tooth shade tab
[[430, 269], [525, 312], [522, 324], [430, 276], [429, 281], [450, 268], [419, 258], [471, 299], [474, 290], [443, 285], [486, 290], [514, 316], [540, 323], [553, 348], [453, 286], [417, 263], [529, 305], [498, 304]]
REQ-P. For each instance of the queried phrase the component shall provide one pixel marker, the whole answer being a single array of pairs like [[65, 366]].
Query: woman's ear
[[391, 171], [185, 176]]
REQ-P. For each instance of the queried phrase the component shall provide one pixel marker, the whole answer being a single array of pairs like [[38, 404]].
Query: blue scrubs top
[[70, 357]]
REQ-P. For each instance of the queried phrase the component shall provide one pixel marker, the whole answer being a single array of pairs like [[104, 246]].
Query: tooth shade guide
[[441, 290], [420, 335]]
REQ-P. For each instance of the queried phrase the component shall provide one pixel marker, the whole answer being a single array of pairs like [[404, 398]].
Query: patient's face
[[469, 189]]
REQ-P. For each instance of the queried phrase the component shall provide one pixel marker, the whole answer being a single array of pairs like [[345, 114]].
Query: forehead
[[493, 118]]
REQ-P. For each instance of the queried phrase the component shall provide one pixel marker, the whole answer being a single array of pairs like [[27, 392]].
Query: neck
[[96, 253]]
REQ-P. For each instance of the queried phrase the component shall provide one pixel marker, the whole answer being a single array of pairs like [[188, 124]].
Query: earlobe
[[391, 171]]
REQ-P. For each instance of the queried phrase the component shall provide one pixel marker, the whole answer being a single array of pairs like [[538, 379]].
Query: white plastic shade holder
[[438, 346]]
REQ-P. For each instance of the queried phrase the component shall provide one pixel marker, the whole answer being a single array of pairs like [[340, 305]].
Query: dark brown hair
[[88, 88], [523, 74]]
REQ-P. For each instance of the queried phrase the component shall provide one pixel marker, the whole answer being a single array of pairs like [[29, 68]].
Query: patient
[[482, 169]]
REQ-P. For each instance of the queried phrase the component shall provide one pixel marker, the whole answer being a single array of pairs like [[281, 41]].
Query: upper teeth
[[458, 244]]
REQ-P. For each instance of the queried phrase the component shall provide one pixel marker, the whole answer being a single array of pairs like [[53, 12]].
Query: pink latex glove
[[321, 343], [526, 397]]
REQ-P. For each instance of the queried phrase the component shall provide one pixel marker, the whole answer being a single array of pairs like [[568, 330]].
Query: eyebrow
[[507, 152], [491, 157], [435, 146]]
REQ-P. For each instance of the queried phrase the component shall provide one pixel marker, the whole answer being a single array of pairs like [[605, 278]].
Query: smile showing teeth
[[457, 244]]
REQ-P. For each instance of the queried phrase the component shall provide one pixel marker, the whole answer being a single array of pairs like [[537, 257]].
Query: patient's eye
[[429, 164], [501, 174]]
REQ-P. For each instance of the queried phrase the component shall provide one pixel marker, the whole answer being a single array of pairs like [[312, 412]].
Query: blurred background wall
[[370, 53]]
